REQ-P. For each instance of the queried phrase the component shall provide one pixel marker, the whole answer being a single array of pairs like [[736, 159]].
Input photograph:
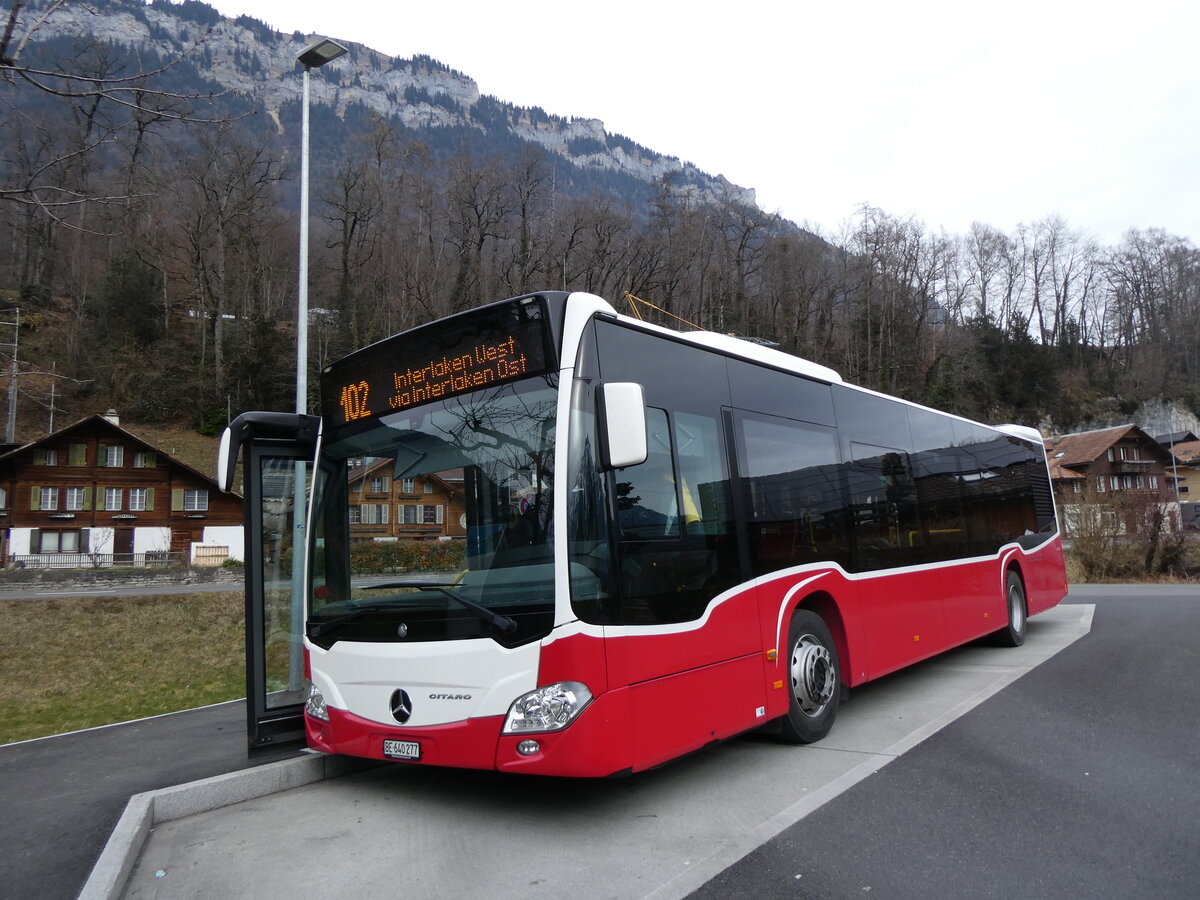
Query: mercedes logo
[[401, 706], [402, 630]]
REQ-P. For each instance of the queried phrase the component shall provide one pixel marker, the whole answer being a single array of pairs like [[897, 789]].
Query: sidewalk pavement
[[62, 796]]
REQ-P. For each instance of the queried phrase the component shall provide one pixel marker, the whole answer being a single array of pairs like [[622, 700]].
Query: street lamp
[[313, 57]]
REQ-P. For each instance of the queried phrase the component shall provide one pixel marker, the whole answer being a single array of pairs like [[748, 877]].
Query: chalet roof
[[1187, 452], [98, 422], [1086, 447], [1062, 473], [1175, 437]]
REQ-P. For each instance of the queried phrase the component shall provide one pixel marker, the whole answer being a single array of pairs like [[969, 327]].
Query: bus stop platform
[[275, 829], [63, 795]]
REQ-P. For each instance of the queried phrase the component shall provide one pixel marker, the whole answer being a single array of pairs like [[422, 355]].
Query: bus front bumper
[[590, 746]]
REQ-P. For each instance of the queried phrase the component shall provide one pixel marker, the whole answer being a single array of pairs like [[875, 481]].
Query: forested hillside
[[149, 239]]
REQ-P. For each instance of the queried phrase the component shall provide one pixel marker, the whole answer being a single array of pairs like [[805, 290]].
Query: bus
[[668, 539]]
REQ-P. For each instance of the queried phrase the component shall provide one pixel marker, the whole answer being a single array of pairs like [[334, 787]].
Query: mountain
[[257, 67]]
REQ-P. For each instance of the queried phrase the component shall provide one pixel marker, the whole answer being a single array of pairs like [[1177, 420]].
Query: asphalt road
[[1081, 779]]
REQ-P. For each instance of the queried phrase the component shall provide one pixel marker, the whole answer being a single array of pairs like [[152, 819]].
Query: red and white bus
[[671, 539]]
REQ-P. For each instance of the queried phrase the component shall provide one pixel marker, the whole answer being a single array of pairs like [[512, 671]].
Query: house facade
[[95, 489], [1118, 463], [421, 508]]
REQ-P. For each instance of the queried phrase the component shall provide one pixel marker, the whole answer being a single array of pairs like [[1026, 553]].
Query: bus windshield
[[476, 469]]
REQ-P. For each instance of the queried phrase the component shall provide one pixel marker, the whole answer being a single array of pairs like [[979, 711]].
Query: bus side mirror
[[227, 454], [623, 423]]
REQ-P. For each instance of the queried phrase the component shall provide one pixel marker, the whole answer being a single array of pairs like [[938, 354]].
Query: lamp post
[[313, 57]]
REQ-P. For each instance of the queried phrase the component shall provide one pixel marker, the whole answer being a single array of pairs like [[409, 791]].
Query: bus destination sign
[[436, 362]]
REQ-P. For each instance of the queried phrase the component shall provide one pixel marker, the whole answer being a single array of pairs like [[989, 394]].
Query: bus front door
[[277, 453]]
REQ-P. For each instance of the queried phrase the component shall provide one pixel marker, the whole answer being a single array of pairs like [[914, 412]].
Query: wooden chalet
[[95, 494], [422, 508], [1110, 460]]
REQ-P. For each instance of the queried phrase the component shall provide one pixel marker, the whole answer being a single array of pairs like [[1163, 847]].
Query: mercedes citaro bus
[[669, 538]]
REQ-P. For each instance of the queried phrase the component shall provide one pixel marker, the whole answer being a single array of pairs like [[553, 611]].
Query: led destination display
[[423, 365]]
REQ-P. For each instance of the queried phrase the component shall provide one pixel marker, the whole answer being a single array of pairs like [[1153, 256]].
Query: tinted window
[[883, 508], [792, 493], [869, 419], [648, 503], [935, 464], [779, 393], [677, 548], [675, 376]]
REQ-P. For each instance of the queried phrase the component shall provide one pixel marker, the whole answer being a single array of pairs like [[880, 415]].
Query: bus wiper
[[501, 623], [315, 629]]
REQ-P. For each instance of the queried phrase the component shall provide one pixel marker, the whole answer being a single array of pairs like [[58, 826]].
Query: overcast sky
[[948, 111]]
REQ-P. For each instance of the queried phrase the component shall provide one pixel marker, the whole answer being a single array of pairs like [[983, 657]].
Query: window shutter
[[85, 540], [77, 455], [176, 499], [151, 460], [149, 498], [441, 514], [35, 540], [102, 455], [35, 497], [87, 498]]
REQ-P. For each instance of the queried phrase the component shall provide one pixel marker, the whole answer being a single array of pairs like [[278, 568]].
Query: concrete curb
[[111, 872]]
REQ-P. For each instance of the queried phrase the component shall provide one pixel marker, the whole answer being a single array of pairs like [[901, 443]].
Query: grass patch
[[77, 662]]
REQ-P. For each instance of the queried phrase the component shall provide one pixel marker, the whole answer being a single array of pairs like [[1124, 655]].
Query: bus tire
[[1013, 634], [813, 672]]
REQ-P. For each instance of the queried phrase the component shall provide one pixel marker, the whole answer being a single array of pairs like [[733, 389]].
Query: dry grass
[[78, 662]]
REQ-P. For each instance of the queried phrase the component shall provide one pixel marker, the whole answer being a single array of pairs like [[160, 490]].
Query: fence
[[154, 559]]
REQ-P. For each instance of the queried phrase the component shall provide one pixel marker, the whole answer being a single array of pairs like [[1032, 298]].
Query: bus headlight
[[549, 708], [315, 704]]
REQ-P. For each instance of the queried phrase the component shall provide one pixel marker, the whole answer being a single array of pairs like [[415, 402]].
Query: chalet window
[[1114, 482], [1076, 487], [49, 457], [195, 500], [1100, 484], [77, 499], [111, 456], [355, 515], [1153, 482], [1141, 483], [433, 515], [374, 513], [57, 542], [46, 498], [410, 515], [379, 485], [143, 459], [112, 498], [408, 486], [77, 455], [428, 486], [141, 499]]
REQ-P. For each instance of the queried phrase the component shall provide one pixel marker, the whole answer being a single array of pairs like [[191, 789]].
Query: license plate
[[401, 749]]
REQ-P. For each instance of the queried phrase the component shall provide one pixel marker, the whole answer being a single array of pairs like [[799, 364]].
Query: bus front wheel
[[813, 680], [1012, 634]]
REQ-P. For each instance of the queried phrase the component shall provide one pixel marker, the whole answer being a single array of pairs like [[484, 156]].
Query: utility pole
[[10, 429]]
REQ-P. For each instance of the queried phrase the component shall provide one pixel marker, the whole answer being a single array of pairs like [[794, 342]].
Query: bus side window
[[883, 503], [647, 503], [793, 495]]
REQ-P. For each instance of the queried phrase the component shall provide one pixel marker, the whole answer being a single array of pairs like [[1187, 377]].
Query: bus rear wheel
[[813, 680], [1012, 634]]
